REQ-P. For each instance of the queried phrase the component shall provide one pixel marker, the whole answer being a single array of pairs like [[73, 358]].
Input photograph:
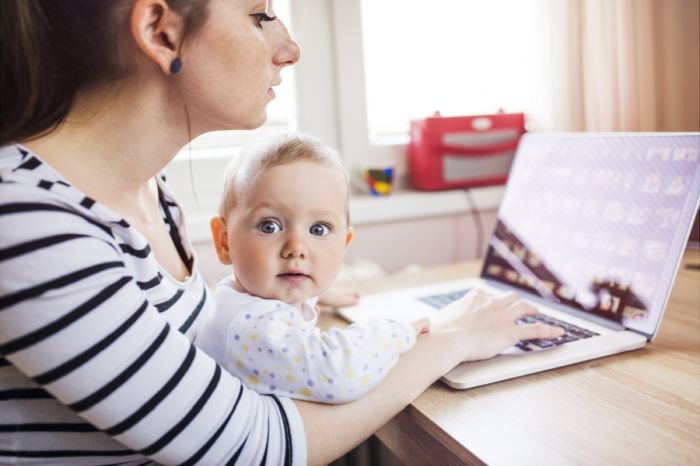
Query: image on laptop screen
[[598, 222]]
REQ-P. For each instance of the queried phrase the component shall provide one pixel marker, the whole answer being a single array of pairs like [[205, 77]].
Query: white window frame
[[355, 142]]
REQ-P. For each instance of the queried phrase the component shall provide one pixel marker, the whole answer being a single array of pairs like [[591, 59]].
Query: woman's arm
[[415, 371], [475, 327], [76, 327]]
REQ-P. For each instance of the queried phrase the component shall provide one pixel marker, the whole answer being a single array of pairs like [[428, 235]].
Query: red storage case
[[461, 152]]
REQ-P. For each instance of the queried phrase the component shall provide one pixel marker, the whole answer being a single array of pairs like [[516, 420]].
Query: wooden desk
[[640, 407]]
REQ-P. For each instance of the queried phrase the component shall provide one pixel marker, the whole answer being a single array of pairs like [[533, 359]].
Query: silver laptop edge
[[599, 320]]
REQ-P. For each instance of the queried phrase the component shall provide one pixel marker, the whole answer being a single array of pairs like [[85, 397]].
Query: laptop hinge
[[645, 335]]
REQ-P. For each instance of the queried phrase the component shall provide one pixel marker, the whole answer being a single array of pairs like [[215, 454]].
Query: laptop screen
[[598, 221]]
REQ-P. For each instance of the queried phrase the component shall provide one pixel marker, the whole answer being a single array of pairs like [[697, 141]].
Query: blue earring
[[176, 65]]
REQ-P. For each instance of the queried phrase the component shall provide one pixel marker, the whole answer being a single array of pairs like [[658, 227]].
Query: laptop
[[591, 231]]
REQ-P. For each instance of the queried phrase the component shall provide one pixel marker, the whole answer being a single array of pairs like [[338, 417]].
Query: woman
[[100, 296]]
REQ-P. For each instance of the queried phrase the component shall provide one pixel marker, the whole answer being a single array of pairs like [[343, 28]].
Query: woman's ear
[[218, 233], [158, 31]]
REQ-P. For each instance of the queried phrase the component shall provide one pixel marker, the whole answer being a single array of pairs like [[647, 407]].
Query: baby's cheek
[[252, 277], [331, 268]]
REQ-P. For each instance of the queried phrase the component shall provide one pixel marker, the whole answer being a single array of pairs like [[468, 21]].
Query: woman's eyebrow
[[257, 3]]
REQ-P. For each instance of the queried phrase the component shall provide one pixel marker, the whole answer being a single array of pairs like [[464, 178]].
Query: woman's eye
[[262, 18], [269, 227], [320, 229]]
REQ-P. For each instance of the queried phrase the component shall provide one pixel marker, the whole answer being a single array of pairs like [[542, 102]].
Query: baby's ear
[[348, 236], [218, 233]]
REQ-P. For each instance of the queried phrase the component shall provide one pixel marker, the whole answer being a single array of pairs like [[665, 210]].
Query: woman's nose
[[288, 51]]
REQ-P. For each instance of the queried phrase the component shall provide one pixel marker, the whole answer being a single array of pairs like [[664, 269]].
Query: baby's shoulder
[[249, 307]]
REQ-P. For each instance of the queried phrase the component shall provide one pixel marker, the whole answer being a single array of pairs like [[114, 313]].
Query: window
[[398, 60], [458, 57]]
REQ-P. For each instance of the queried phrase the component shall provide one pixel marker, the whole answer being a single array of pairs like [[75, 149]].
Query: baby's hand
[[336, 298], [421, 325]]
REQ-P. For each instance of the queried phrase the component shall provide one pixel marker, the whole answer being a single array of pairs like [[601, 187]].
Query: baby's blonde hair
[[272, 152]]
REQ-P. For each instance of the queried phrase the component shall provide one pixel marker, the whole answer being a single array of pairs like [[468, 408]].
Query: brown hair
[[278, 150], [50, 50]]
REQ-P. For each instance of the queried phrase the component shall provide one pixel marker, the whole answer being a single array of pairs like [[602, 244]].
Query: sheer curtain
[[626, 65]]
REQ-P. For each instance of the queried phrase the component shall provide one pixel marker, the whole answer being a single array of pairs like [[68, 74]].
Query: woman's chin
[[253, 122], [237, 124]]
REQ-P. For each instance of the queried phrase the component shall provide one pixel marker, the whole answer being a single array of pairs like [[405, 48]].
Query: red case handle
[[479, 150]]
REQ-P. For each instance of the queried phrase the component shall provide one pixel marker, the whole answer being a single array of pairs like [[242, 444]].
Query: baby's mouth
[[294, 277]]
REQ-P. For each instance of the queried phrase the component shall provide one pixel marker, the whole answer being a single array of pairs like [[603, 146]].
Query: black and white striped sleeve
[[75, 322]]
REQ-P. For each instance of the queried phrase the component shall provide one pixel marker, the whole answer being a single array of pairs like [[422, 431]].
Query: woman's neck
[[115, 140]]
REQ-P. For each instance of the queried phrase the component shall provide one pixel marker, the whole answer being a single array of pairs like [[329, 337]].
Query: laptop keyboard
[[439, 301], [571, 331]]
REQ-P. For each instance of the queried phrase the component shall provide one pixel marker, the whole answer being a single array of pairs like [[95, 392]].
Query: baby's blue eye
[[319, 229], [269, 227]]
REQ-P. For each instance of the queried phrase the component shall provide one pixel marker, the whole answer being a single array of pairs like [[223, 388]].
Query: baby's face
[[288, 233]]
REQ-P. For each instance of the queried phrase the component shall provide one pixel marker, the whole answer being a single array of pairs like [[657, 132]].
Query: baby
[[284, 226]]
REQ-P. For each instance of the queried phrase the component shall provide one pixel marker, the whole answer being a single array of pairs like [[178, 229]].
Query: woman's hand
[[477, 326], [484, 325]]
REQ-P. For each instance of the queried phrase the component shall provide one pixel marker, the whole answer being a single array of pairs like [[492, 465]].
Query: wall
[[424, 242]]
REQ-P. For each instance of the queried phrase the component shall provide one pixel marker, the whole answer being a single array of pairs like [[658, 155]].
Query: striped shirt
[[97, 364]]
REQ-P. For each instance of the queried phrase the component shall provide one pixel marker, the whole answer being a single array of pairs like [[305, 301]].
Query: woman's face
[[231, 65]]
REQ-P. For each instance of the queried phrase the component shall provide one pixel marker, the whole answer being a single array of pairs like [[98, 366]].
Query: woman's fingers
[[474, 298], [539, 331], [506, 299], [476, 295], [520, 309]]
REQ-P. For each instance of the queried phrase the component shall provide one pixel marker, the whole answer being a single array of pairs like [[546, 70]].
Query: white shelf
[[400, 206], [411, 205]]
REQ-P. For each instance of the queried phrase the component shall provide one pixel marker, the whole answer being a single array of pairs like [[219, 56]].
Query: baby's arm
[[274, 352]]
